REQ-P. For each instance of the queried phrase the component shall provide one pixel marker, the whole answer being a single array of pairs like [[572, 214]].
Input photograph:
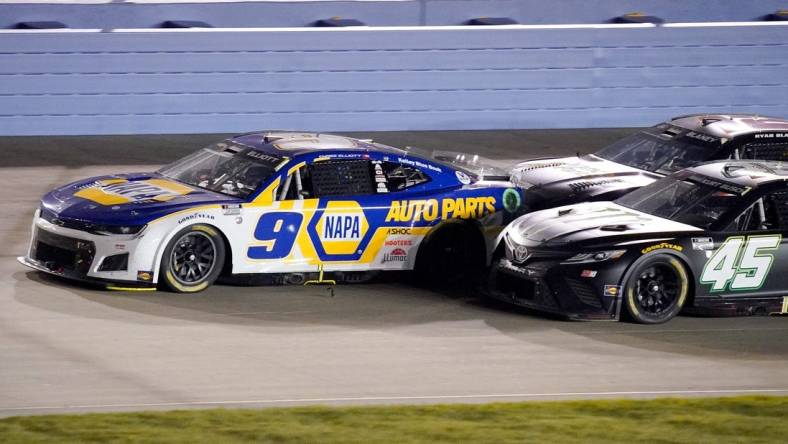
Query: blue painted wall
[[367, 79], [120, 14]]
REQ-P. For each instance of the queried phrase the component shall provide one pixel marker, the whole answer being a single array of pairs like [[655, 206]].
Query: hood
[[126, 199], [588, 221], [551, 182]]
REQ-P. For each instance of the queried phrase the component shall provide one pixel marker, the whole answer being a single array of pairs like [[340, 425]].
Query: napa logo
[[122, 191], [341, 227]]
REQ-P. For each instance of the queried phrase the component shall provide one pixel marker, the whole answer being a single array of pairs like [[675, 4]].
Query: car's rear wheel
[[193, 259], [453, 255], [656, 290]]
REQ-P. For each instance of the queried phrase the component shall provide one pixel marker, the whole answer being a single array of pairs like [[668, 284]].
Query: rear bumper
[[549, 287]]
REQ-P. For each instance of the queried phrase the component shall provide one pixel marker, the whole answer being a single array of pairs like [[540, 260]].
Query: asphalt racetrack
[[67, 348]]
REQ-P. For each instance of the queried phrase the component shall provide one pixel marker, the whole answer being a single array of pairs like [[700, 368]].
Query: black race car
[[649, 155], [709, 239]]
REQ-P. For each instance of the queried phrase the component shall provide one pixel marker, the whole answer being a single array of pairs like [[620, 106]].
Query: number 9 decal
[[276, 233]]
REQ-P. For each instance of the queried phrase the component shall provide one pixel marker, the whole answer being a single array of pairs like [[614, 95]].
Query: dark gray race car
[[649, 155], [710, 239]]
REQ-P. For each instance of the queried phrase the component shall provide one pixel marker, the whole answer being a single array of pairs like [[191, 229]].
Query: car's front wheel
[[193, 259], [656, 290]]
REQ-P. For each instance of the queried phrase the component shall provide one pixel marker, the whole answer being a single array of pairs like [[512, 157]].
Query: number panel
[[741, 264], [275, 234]]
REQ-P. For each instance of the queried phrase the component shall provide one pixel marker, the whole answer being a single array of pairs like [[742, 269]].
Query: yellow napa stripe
[[304, 242], [295, 168], [110, 181], [266, 197], [170, 186], [99, 196]]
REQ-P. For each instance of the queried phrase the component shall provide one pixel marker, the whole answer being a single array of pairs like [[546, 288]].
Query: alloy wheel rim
[[193, 258], [657, 289]]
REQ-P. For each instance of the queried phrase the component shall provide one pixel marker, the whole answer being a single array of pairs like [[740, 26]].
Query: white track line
[[400, 398]]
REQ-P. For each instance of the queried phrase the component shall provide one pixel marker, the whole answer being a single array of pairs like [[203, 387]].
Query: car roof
[[291, 143], [730, 125], [748, 173]]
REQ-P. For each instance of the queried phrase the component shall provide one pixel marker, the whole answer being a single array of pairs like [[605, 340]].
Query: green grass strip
[[668, 420]]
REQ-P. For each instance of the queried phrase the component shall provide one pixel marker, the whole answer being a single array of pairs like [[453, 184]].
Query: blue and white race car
[[287, 205]]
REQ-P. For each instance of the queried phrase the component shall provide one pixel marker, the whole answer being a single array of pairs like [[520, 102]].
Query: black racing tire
[[193, 259], [656, 289], [452, 255]]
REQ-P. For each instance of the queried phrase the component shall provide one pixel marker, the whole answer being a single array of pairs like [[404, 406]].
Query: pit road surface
[[69, 348]]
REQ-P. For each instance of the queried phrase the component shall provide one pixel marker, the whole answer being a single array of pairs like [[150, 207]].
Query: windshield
[[226, 167], [687, 198], [652, 153]]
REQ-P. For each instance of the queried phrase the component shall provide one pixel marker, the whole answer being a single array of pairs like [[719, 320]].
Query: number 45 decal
[[740, 264]]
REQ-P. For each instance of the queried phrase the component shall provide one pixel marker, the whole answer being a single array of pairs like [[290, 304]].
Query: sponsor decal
[[395, 255], [120, 247], [511, 200], [145, 276], [263, 157], [341, 227], [462, 177], [702, 243], [380, 177], [770, 135], [701, 137], [662, 246], [725, 186], [121, 191], [612, 290], [405, 231], [432, 209], [195, 216], [399, 243], [231, 209], [419, 164], [588, 273]]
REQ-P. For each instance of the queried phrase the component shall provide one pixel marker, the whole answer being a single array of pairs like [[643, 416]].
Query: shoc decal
[[432, 209], [403, 231], [662, 246]]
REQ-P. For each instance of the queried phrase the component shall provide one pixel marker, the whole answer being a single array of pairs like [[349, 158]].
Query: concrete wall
[[128, 14], [379, 79]]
